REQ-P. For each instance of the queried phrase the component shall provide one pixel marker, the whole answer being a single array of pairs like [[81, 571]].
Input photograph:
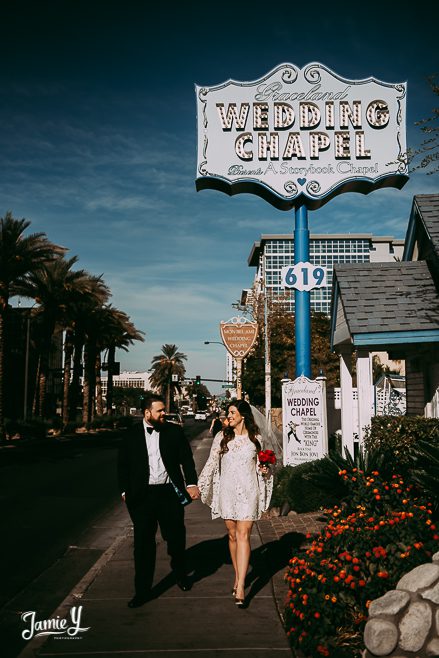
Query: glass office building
[[273, 252]]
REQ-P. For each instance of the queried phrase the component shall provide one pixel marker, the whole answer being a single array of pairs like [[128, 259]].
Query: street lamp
[[26, 361], [229, 368]]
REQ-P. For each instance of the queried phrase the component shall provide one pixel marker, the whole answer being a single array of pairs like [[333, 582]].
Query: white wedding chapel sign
[[303, 421], [301, 136]]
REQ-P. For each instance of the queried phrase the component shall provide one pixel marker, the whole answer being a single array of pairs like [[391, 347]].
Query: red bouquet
[[266, 458]]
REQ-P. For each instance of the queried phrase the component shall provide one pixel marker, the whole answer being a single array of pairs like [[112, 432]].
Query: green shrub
[[123, 422], [71, 426], [324, 473], [305, 495], [294, 485], [101, 421], [55, 423], [396, 436], [280, 486], [26, 429], [425, 473], [381, 532]]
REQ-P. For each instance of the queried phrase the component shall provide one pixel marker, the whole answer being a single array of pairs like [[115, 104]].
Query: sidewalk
[[203, 622]]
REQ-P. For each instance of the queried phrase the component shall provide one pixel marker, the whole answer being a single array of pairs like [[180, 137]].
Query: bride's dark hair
[[249, 422]]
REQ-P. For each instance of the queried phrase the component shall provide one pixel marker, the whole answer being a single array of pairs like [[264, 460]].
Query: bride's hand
[[263, 469]]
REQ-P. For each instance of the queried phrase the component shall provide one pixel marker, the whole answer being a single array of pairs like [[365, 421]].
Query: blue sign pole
[[302, 298]]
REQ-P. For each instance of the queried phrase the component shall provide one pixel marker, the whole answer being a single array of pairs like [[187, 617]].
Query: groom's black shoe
[[139, 600], [184, 584]]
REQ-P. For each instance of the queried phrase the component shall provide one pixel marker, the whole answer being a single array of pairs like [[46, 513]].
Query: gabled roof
[[425, 210], [384, 304]]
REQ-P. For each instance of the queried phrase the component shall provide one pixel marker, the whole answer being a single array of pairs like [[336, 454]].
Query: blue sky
[[98, 142]]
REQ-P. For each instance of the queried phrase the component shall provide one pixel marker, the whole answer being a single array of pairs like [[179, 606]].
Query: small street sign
[[228, 386]]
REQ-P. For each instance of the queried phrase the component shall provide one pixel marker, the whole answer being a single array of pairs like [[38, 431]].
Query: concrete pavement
[[203, 622]]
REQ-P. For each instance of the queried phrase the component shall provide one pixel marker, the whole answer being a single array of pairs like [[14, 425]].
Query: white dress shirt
[[157, 470]]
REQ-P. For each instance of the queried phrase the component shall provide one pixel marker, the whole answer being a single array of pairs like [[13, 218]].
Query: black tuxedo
[[153, 505]]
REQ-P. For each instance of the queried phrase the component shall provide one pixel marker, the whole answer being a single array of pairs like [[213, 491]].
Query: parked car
[[174, 418], [201, 415], [189, 413]]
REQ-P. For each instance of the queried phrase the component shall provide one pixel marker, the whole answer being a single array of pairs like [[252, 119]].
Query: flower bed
[[383, 531]]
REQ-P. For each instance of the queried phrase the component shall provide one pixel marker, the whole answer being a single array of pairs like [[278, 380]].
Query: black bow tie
[[150, 430]]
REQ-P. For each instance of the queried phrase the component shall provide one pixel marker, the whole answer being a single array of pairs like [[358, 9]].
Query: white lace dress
[[232, 485]]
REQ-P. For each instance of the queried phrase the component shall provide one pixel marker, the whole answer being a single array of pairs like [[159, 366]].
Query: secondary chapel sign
[[301, 136], [239, 336], [304, 421]]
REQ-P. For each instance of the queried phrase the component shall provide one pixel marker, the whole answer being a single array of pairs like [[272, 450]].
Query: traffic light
[[197, 380]]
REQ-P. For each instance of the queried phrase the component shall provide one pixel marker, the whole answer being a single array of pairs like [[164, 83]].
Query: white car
[[201, 415]]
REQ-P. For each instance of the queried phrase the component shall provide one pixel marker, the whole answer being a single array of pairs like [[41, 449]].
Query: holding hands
[[193, 492]]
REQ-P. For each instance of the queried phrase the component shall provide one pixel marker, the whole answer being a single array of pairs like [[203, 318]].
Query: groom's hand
[[193, 492]]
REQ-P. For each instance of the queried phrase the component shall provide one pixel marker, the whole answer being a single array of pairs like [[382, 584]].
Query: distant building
[[129, 379], [273, 252]]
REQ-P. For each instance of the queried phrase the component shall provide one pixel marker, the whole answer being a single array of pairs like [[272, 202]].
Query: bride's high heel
[[238, 601]]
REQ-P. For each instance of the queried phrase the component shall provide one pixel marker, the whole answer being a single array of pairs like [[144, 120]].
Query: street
[[50, 495]]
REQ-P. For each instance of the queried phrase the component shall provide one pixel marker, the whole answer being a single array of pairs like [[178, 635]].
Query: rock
[[435, 557], [380, 636], [432, 648], [419, 577], [432, 594], [389, 604], [414, 626], [292, 513]]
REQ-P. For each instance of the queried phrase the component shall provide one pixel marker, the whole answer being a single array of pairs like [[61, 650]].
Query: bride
[[236, 487]]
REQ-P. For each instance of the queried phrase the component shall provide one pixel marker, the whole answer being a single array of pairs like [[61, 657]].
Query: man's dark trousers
[[162, 508], [151, 505]]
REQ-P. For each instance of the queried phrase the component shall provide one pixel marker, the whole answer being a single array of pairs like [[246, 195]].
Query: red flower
[[266, 457]]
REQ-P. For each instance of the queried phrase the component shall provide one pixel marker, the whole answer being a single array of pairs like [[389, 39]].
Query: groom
[[151, 483]]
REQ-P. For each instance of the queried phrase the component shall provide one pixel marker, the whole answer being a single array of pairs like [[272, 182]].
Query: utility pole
[[267, 359]]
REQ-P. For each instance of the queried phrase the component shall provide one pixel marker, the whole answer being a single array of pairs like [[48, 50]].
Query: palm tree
[[55, 287], [121, 333], [19, 256], [76, 336], [164, 365]]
